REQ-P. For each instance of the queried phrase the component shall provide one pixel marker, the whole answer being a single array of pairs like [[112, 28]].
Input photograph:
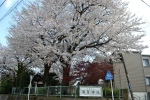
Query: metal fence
[[59, 91], [70, 91], [117, 92]]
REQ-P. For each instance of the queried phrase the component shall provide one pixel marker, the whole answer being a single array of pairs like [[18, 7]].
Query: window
[[147, 80], [145, 62]]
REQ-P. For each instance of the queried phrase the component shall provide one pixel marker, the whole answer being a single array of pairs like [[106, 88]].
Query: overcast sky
[[135, 6], [142, 10]]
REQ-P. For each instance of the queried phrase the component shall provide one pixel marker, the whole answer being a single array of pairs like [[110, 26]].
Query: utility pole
[[127, 76]]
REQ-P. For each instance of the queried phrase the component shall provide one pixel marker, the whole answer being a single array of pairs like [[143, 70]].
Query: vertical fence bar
[[48, 91], [37, 91], [12, 91], [105, 92], [102, 92], [119, 93], [122, 92], [75, 91], [60, 91], [15, 91], [20, 91], [28, 92]]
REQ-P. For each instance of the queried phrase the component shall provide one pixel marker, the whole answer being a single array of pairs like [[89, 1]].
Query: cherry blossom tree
[[29, 55], [7, 68], [65, 30], [11, 60]]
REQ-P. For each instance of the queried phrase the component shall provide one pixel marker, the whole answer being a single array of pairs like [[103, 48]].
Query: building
[[38, 80], [138, 69]]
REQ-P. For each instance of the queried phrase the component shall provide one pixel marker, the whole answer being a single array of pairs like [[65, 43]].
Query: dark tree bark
[[46, 72], [66, 76]]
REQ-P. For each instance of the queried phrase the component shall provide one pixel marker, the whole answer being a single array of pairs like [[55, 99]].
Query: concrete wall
[[147, 70], [4, 97], [141, 95], [14, 97], [135, 70]]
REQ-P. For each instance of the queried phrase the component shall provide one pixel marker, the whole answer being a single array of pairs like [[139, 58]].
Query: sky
[[135, 6], [7, 21], [142, 10]]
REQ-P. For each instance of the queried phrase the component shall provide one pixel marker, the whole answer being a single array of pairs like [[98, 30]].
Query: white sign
[[91, 91]]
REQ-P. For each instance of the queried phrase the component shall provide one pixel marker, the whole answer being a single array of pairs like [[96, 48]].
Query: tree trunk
[[66, 76], [15, 80], [46, 72]]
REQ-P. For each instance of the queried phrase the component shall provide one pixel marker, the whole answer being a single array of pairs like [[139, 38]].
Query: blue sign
[[130, 86], [108, 76]]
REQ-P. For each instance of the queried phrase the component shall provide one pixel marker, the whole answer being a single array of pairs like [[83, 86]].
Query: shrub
[[42, 90], [6, 86], [109, 92]]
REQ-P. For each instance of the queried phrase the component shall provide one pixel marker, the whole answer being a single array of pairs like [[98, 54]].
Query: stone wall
[[15, 97]]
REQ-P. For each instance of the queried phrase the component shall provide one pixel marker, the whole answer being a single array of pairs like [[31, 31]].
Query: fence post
[[20, 91], [12, 90], [37, 91], [48, 91], [60, 91], [15, 91], [28, 92], [75, 91], [122, 92], [119, 93], [102, 92], [105, 92]]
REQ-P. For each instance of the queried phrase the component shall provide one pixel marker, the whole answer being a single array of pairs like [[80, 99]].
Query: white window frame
[[148, 80], [146, 62]]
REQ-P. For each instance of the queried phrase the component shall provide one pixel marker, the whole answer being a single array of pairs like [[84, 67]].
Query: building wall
[[135, 70], [147, 69], [120, 79]]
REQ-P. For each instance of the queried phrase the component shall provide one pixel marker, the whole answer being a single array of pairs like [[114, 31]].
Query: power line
[[2, 3], [145, 3], [146, 26], [11, 9]]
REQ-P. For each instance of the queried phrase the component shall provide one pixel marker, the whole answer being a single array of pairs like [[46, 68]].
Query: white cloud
[[9, 3], [146, 40]]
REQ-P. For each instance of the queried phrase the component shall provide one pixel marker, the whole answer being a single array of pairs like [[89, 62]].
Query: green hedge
[[109, 92], [6, 86], [42, 90]]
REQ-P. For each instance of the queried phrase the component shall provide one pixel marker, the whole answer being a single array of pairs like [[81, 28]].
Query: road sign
[[108, 76]]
